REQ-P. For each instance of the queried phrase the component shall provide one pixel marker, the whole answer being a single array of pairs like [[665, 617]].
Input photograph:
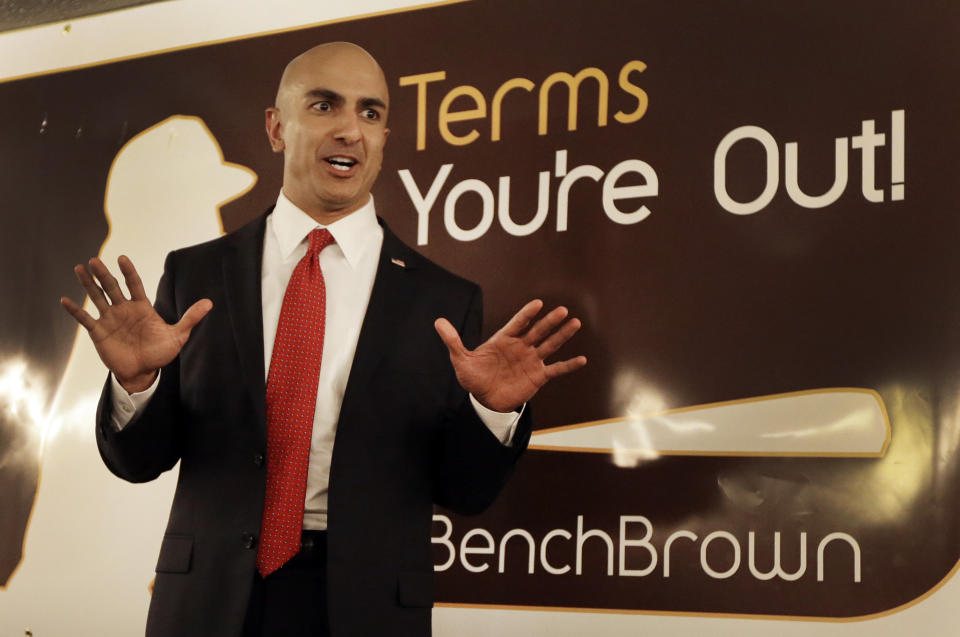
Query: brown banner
[[741, 199]]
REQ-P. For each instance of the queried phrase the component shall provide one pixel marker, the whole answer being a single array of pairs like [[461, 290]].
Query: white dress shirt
[[349, 267]]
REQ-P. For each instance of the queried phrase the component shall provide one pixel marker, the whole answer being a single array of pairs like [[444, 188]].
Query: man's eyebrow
[[325, 93], [367, 102]]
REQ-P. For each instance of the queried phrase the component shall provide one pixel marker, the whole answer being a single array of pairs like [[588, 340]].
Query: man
[[304, 503]]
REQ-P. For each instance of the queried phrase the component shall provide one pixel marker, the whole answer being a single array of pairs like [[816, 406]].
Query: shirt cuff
[[126, 405], [501, 425]]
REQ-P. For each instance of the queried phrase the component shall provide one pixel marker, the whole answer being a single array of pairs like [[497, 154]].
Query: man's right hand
[[133, 341]]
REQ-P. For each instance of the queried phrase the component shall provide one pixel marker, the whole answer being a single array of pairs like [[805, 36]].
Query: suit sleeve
[[472, 465], [150, 443]]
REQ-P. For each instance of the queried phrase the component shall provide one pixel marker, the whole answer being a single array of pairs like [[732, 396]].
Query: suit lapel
[[394, 290], [241, 275]]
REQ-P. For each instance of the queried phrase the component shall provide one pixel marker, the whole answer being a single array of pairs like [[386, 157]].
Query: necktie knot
[[319, 239]]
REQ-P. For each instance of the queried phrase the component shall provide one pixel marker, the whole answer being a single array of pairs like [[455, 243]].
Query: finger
[[564, 367], [78, 313], [132, 279], [192, 316], [449, 336], [521, 319], [107, 281], [558, 338], [546, 325], [93, 290]]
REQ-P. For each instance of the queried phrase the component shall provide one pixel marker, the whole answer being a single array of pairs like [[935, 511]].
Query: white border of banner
[[181, 24], [171, 26]]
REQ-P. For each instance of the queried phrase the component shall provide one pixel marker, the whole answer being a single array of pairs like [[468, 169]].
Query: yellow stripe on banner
[[673, 613], [832, 422]]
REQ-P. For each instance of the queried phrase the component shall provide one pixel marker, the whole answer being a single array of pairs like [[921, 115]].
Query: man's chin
[[344, 203]]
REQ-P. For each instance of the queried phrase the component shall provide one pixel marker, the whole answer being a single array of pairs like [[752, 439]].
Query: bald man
[[308, 373]]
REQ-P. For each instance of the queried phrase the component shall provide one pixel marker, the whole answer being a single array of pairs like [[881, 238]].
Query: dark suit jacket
[[407, 437]]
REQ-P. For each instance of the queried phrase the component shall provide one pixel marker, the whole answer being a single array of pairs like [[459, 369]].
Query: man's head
[[330, 123]]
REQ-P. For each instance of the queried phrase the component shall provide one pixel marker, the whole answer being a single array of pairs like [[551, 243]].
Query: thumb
[[449, 336], [193, 315]]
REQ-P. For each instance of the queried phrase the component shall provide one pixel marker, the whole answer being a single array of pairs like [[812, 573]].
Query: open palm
[[509, 368], [133, 341]]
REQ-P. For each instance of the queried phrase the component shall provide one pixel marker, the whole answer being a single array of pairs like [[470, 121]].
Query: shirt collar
[[353, 233]]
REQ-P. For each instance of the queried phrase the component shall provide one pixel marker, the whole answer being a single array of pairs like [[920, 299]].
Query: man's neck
[[326, 216]]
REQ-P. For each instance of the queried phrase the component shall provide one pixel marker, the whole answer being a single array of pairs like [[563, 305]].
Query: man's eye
[[371, 114], [322, 106]]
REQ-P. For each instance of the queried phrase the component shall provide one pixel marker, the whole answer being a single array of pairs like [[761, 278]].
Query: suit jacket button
[[249, 540], [258, 459]]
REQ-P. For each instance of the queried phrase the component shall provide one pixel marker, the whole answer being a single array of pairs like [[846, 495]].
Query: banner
[[747, 203]]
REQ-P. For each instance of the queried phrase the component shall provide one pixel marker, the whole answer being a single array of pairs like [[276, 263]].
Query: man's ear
[[274, 129]]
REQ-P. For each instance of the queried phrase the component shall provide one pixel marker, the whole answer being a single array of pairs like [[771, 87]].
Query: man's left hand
[[509, 368]]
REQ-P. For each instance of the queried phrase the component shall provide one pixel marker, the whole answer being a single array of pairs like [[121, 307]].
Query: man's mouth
[[342, 164]]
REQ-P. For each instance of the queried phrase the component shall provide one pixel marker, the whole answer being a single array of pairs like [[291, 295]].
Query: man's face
[[330, 123]]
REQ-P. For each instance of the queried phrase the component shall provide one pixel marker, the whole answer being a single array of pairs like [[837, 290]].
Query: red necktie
[[291, 400]]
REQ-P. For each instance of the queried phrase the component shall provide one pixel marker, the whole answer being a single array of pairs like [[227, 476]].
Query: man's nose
[[348, 128]]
